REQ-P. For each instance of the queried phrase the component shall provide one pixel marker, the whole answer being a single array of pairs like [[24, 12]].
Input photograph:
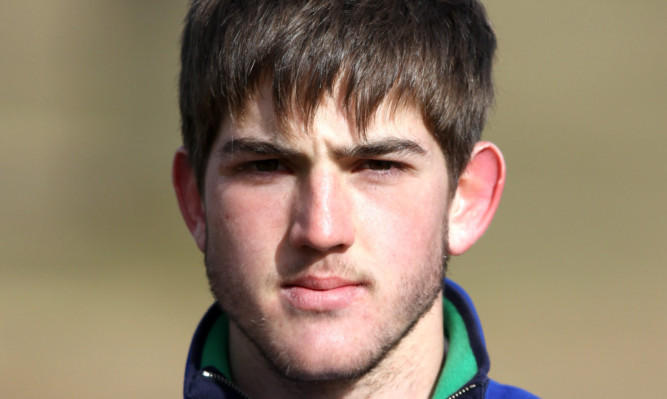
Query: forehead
[[330, 118]]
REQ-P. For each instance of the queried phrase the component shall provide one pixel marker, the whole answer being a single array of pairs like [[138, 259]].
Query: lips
[[321, 294]]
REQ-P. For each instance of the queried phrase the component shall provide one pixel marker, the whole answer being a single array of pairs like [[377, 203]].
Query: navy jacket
[[209, 383]]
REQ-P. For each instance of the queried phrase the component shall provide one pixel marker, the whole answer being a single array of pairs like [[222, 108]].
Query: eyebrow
[[379, 148], [363, 150], [260, 147]]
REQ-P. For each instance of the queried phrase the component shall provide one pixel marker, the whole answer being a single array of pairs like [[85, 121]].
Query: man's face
[[325, 248]]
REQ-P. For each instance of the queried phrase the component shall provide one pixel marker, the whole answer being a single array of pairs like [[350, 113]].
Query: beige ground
[[101, 286]]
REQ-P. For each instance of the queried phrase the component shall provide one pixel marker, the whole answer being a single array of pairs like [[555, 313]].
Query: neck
[[410, 370]]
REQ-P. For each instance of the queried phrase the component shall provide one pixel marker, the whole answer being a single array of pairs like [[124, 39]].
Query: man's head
[[331, 162], [435, 56]]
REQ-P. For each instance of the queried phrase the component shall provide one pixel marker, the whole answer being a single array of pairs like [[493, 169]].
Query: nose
[[323, 215]]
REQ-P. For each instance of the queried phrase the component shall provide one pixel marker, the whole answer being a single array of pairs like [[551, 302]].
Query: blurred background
[[101, 285]]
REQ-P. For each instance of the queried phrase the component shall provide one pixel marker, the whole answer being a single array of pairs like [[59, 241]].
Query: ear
[[477, 197], [189, 198]]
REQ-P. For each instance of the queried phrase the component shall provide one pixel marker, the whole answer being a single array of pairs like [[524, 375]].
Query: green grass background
[[101, 285]]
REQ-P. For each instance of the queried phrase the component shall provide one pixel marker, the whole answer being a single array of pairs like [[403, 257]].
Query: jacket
[[464, 375]]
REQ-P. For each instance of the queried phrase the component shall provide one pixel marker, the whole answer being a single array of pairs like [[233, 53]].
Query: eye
[[380, 166], [376, 164], [267, 165]]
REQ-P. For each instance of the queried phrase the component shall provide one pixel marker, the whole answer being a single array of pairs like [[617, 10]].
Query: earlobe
[[477, 197], [189, 198]]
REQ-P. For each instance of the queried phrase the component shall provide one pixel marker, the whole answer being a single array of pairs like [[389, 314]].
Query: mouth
[[321, 294]]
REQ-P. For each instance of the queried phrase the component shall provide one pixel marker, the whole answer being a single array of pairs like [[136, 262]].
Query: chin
[[327, 371], [321, 360]]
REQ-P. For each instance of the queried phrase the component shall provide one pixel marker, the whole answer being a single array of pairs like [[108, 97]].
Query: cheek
[[246, 224], [407, 226]]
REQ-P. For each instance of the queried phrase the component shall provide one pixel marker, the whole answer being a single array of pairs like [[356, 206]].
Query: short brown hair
[[434, 55]]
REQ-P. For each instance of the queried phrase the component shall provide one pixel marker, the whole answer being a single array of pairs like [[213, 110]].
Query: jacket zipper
[[462, 391], [224, 381], [238, 390]]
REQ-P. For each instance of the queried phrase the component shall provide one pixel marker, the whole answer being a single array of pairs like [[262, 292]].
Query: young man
[[331, 165]]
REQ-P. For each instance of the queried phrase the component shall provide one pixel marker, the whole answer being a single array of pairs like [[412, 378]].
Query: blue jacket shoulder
[[496, 390]]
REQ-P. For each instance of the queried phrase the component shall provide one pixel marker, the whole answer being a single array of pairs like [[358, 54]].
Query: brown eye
[[267, 165], [374, 164]]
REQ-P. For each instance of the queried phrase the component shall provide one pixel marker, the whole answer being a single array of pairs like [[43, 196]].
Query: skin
[[326, 249]]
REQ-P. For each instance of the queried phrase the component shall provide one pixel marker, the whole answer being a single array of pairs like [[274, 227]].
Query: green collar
[[460, 365], [216, 348]]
